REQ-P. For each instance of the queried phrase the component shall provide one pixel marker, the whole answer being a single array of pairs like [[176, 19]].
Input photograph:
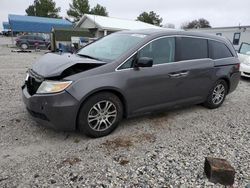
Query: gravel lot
[[163, 150]]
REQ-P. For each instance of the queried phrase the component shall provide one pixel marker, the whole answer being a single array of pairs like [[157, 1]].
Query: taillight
[[237, 66]]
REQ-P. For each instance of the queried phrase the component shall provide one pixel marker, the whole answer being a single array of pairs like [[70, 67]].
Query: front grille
[[246, 73], [33, 82]]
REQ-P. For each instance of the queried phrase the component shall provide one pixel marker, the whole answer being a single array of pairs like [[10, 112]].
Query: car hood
[[53, 64]]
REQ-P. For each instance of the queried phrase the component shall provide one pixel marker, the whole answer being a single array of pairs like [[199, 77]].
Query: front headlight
[[53, 86]]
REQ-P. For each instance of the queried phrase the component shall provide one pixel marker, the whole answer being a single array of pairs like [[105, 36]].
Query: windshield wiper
[[88, 56]]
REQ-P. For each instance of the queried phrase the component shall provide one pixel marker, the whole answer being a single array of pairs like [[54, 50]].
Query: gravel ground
[[163, 150]]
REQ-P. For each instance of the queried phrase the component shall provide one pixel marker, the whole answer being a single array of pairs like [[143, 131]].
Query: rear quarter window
[[191, 48], [218, 50]]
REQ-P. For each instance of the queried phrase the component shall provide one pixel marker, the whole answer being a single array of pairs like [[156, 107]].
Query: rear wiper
[[90, 57]]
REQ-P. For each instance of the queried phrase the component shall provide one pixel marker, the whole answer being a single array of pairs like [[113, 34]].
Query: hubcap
[[218, 94], [102, 115]]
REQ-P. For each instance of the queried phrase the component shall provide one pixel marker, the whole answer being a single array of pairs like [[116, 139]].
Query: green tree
[[200, 23], [99, 10], [43, 8], [151, 18], [78, 8]]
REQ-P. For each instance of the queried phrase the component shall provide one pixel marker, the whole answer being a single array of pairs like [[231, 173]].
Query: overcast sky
[[217, 12]]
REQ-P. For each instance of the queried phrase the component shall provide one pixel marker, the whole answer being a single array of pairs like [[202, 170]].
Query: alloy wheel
[[218, 94], [102, 115]]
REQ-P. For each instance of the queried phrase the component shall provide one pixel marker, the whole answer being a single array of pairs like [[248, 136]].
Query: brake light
[[237, 66]]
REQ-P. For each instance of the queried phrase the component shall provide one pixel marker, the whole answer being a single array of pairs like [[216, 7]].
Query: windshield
[[111, 47]]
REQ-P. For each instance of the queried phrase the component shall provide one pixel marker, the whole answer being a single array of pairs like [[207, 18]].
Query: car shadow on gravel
[[134, 131], [152, 121], [156, 118], [47, 133], [245, 79]]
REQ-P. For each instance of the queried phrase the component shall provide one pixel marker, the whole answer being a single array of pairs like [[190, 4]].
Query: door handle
[[185, 73], [179, 74], [174, 75]]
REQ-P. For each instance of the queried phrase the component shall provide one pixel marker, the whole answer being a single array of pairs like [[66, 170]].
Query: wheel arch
[[227, 80], [112, 90]]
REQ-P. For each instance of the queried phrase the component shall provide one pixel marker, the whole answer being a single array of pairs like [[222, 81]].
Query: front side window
[[192, 48], [161, 50], [245, 49], [112, 46], [236, 39], [31, 38], [218, 50], [23, 37]]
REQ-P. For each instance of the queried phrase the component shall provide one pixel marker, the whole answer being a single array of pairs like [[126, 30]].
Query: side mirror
[[143, 62]]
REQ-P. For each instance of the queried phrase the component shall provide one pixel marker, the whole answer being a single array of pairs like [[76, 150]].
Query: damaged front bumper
[[57, 111]]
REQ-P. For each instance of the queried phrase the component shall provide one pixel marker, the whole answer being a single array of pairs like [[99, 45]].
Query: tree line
[[77, 8]]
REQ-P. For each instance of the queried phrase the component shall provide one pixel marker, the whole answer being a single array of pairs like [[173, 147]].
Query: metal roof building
[[236, 34], [35, 24], [6, 25], [102, 25]]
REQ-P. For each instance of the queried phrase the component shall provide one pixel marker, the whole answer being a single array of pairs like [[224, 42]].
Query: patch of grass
[[123, 162], [117, 143], [127, 142], [77, 140], [72, 161], [146, 137]]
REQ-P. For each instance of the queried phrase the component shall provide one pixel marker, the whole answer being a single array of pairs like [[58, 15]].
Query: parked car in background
[[244, 57], [127, 74], [6, 32], [31, 42]]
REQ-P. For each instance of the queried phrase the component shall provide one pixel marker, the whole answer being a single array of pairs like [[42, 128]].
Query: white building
[[236, 35], [102, 25]]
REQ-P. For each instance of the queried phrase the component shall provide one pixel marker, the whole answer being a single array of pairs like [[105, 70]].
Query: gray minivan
[[129, 73]]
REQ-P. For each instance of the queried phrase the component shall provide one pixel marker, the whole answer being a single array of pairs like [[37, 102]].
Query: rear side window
[[218, 50], [192, 48]]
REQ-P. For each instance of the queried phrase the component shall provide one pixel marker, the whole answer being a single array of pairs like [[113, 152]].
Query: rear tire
[[217, 95], [100, 114]]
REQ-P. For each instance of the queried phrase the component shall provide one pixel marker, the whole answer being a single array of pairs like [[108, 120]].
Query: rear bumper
[[57, 111], [245, 70]]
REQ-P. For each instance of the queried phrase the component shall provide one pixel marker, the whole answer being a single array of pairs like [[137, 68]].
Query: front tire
[[217, 95], [100, 114]]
